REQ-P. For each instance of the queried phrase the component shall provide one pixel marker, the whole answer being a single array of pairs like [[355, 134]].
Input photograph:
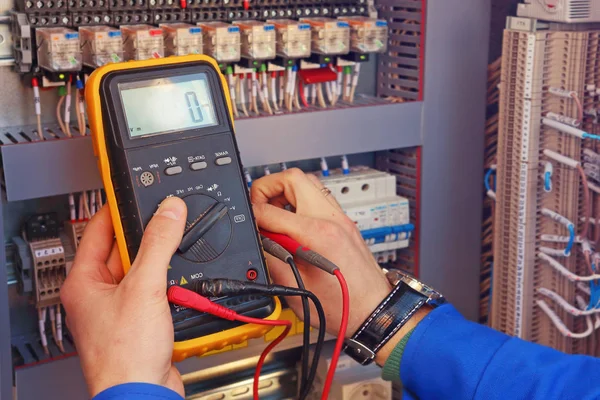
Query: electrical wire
[[42, 329], [302, 93], [580, 113], [61, 100], [341, 334], [320, 96], [242, 94], [196, 295], [37, 101], [306, 331], [355, 75], [67, 120], [587, 210]]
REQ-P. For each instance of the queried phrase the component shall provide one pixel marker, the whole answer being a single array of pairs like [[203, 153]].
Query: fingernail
[[171, 208]]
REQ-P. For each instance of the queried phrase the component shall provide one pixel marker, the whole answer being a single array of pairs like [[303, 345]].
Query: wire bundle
[[196, 294]]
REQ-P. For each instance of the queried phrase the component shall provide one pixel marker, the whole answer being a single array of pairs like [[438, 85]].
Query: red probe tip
[[34, 82], [246, 4], [183, 4]]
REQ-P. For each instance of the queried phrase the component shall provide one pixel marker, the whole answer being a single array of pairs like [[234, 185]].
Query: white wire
[[564, 271], [562, 328], [565, 305]]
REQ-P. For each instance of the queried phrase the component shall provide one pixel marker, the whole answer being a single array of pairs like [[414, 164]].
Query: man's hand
[[319, 223], [122, 325]]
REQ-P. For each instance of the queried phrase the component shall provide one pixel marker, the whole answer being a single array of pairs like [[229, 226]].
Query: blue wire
[[547, 181], [571, 239], [590, 136], [486, 180]]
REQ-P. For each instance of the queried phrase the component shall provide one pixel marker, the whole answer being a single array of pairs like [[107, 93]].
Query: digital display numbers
[[166, 105]]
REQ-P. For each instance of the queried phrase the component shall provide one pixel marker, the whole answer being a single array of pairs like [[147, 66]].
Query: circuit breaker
[[368, 197]]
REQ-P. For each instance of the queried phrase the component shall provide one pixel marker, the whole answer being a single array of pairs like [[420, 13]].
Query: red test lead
[[186, 298]]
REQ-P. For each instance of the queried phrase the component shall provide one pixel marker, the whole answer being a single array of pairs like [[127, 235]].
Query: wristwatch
[[407, 297]]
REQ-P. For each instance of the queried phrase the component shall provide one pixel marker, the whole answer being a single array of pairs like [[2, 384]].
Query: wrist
[[383, 354]]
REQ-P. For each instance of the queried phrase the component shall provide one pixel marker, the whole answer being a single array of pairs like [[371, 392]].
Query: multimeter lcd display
[[167, 105]]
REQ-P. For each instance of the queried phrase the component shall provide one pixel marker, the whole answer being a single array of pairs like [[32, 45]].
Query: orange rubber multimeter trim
[[187, 348]]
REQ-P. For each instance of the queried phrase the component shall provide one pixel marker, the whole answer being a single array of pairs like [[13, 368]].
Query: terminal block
[[182, 39], [120, 5], [41, 6], [23, 265], [221, 41], [49, 270], [164, 5], [170, 16], [88, 5], [101, 45], [330, 37], [257, 41], [58, 49], [50, 19], [367, 35], [74, 232], [293, 39], [132, 17], [87, 18], [142, 42], [22, 42]]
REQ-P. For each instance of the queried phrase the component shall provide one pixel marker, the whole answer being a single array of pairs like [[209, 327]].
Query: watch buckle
[[360, 350]]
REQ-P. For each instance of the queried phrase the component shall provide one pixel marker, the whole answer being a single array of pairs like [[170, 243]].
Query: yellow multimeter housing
[[164, 127]]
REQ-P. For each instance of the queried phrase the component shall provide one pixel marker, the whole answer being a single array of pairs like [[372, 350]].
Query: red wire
[[187, 298], [301, 92], [341, 334], [264, 355]]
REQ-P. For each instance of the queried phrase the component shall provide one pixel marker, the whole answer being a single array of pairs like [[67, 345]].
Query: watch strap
[[387, 319]]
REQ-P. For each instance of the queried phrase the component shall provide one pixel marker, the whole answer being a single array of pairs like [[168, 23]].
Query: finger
[[319, 185], [161, 238], [279, 201], [305, 230], [298, 190], [114, 265], [95, 247]]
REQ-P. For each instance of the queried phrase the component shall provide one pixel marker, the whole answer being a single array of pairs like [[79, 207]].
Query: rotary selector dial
[[208, 229]]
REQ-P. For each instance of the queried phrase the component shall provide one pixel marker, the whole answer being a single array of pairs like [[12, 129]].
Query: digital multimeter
[[164, 127]]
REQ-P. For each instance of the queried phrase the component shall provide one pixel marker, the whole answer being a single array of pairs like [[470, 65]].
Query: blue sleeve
[[448, 357], [137, 391]]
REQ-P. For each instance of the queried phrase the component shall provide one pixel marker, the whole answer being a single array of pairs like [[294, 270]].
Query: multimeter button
[[173, 170], [223, 161], [197, 166]]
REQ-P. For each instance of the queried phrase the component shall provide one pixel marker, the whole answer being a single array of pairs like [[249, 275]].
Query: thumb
[[161, 238]]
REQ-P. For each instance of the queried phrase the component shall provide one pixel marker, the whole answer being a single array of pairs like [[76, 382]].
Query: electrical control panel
[[58, 49], [293, 38], [182, 39], [142, 42], [257, 40], [221, 41], [101, 45], [368, 197]]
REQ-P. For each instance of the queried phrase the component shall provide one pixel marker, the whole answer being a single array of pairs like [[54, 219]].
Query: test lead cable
[[229, 287], [80, 106], [314, 258], [282, 254], [190, 299]]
